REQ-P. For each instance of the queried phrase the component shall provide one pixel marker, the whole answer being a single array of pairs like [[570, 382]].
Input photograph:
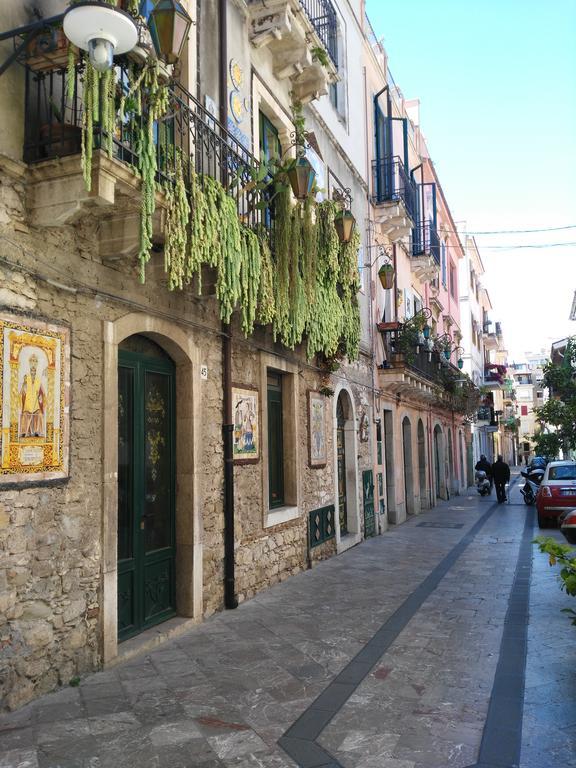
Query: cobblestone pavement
[[402, 633]]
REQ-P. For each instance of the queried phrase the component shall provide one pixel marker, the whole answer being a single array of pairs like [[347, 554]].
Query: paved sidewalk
[[420, 613]]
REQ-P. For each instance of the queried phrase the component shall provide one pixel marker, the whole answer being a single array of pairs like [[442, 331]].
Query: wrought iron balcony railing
[[392, 182], [423, 363], [425, 240], [322, 16], [53, 129]]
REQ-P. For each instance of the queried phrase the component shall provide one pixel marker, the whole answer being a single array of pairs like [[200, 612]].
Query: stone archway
[[408, 468], [179, 347], [422, 476], [347, 516]]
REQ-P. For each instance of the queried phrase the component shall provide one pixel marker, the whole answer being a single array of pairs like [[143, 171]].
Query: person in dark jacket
[[501, 475], [483, 465]]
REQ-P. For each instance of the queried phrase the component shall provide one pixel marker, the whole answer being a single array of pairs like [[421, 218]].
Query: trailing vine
[[349, 280], [250, 269], [266, 312], [176, 231], [304, 286], [282, 234]]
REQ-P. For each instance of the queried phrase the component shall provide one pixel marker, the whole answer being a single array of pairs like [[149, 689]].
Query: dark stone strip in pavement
[[502, 736], [299, 740]]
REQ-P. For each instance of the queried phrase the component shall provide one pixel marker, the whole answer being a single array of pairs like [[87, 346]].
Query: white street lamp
[[101, 30]]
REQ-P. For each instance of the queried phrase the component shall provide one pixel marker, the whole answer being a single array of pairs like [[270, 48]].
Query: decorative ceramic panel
[[245, 413], [317, 429], [35, 386]]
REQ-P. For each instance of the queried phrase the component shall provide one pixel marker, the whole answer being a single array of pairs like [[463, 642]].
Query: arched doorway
[[438, 461], [347, 490], [451, 478], [146, 486], [173, 343], [422, 466], [408, 471]]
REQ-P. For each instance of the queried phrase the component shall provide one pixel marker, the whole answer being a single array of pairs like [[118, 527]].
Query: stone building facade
[[140, 353]]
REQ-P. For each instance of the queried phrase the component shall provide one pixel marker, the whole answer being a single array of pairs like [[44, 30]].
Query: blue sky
[[496, 81]]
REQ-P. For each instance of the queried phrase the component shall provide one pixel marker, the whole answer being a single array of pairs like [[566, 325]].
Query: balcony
[[418, 374], [295, 31], [494, 377], [57, 193], [425, 261], [490, 341], [395, 197]]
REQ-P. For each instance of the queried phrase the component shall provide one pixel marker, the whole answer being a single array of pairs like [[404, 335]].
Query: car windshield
[[566, 472]]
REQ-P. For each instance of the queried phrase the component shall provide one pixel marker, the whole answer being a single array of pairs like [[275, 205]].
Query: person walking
[[483, 465], [501, 475]]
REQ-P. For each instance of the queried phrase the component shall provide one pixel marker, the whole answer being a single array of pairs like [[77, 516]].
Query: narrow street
[[405, 652]]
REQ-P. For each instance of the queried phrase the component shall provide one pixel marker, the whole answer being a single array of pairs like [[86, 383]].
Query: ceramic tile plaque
[[246, 441], [35, 386], [317, 429]]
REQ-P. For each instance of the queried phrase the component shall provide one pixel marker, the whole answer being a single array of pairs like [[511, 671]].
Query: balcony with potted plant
[[150, 170]]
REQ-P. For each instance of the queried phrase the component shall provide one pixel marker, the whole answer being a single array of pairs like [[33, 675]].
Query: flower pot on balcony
[[386, 275], [301, 177], [59, 139]]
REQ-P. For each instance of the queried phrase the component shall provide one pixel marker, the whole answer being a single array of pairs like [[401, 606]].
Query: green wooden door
[[368, 494], [146, 492], [341, 453]]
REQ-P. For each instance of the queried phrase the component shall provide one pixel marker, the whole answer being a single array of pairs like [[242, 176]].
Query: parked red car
[[557, 491]]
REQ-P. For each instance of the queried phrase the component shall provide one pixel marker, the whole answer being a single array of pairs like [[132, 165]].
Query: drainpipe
[[230, 599]]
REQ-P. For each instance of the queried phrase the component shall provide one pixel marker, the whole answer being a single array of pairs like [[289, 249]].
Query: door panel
[[368, 493], [341, 453], [146, 492]]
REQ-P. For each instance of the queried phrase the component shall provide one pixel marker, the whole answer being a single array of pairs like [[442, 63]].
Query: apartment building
[[422, 429]]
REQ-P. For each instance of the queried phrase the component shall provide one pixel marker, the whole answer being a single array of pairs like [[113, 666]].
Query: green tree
[[560, 410], [564, 556]]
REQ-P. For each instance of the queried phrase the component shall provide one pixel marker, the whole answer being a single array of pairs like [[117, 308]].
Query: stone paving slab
[[416, 696]]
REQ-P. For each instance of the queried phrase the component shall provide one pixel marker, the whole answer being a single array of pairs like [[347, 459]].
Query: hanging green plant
[[324, 324], [309, 251], [350, 282], [157, 106], [282, 233], [298, 311], [266, 312], [176, 230], [203, 236], [250, 270], [229, 255]]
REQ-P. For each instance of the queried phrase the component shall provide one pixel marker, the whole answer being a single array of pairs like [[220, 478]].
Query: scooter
[[533, 477], [483, 485]]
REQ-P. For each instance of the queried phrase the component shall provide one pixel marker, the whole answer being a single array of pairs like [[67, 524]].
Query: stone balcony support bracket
[[57, 196], [283, 27]]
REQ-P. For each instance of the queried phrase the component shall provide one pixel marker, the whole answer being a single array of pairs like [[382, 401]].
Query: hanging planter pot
[[386, 276], [301, 177], [344, 222]]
